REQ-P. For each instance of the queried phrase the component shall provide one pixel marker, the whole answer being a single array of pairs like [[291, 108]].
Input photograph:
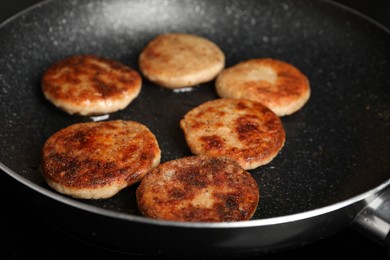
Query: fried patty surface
[[95, 160], [178, 60], [90, 85], [277, 84], [243, 130], [198, 189]]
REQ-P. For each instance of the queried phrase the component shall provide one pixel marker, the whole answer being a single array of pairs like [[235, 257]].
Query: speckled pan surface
[[337, 146]]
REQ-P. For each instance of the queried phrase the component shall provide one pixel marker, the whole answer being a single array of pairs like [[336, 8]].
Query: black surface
[[345, 57], [27, 236]]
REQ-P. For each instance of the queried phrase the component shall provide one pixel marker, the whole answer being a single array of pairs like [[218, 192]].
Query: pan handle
[[374, 220]]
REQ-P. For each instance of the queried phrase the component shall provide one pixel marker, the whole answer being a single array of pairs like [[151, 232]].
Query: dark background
[[24, 235]]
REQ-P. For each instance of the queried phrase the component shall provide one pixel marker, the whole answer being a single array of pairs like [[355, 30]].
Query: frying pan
[[333, 171]]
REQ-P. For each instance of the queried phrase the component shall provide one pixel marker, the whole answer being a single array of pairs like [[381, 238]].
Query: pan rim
[[357, 13], [239, 224], [24, 11], [210, 225]]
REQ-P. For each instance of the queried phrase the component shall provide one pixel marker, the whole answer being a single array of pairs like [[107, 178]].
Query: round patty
[[276, 84], [177, 60], [198, 189], [90, 85], [243, 130], [95, 160]]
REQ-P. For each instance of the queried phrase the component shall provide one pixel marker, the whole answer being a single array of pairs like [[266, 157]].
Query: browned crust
[[87, 159], [198, 189], [243, 130], [90, 85], [283, 88], [177, 60]]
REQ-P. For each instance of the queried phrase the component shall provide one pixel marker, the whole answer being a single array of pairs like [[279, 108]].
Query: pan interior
[[337, 145]]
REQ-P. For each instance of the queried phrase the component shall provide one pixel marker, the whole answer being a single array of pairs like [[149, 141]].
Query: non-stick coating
[[337, 146]]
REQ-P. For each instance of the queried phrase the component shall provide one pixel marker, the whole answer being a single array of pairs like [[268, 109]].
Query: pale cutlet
[[90, 85], [243, 130], [95, 160], [277, 84], [198, 189], [179, 60]]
